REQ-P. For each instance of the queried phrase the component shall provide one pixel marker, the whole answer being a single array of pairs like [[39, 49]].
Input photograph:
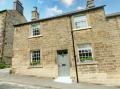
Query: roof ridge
[[113, 14]]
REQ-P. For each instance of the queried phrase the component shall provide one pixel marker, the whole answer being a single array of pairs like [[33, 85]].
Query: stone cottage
[[7, 19], [80, 46]]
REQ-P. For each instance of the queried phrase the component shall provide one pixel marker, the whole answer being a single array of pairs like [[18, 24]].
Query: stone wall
[[55, 35], [103, 35], [13, 17], [2, 27]]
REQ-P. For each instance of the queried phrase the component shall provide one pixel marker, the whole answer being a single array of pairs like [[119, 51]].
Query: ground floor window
[[35, 57], [85, 53]]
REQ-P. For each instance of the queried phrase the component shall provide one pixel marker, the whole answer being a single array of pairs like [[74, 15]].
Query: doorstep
[[63, 80]]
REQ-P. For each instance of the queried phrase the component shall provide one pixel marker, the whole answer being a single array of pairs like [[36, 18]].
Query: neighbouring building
[[78, 46], [7, 19]]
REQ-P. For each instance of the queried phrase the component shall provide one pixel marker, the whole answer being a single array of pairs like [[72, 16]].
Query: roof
[[62, 15], [3, 11], [113, 14]]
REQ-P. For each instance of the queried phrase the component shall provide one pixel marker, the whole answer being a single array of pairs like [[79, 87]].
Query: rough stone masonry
[[7, 19]]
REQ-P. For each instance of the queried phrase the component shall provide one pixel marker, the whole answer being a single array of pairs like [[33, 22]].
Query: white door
[[63, 63]]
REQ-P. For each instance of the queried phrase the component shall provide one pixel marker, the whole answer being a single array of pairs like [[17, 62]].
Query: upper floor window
[[35, 29], [85, 53], [80, 22]]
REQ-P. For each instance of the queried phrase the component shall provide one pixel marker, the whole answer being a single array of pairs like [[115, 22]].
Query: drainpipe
[[4, 32], [73, 42]]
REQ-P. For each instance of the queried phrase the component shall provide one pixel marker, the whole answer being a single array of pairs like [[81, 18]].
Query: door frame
[[62, 52]]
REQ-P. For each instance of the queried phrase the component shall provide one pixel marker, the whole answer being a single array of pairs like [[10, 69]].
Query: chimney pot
[[90, 3], [34, 8], [18, 6]]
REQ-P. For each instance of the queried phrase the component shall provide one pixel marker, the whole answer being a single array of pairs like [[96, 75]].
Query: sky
[[49, 8]]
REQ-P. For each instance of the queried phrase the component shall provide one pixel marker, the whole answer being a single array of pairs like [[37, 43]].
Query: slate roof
[[2, 11], [113, 14]]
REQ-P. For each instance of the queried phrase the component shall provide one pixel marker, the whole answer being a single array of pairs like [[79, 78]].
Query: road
[[8, 81], [17, 86]]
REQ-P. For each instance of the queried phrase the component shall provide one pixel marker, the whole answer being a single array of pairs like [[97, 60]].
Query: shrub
[[35, 63], [84, 59], [3, 65]]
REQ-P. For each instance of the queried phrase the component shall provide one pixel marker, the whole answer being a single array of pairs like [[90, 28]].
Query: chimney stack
[[35, 14], [90, 3], [18, 6]]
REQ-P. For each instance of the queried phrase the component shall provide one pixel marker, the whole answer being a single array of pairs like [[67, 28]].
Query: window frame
[[35, 31], [31, 30], [75, 20], [31, 57], [89, 47]]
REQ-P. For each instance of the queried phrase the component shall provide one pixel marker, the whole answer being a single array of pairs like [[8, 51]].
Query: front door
[[63, 63]]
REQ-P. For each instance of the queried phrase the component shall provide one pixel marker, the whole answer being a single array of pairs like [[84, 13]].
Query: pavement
[[8, 81]]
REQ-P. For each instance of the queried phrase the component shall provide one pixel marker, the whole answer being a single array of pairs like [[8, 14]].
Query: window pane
[[35, 57], [80, 22], [85, 55], [35, 30]]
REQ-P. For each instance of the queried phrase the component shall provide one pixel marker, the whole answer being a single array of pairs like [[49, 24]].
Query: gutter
[[73, 42]]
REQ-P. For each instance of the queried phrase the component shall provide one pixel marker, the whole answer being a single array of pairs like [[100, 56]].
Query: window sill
[[35, 36], [89, 27], [35, 66], [88, 63]]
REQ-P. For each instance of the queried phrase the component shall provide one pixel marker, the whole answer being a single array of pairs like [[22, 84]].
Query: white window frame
[[80, 17], [31, 53], [86, 46], [31, 31]]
